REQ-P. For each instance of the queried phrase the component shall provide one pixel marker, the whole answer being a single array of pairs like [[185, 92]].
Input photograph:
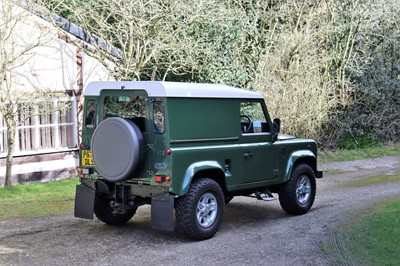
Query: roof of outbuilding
[[173, 89]]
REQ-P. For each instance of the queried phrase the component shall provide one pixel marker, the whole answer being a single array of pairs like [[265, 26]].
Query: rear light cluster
[[162, 179], [84, 146], [83, 171]]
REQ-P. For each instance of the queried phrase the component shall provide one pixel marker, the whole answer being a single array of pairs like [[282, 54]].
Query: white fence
[[52, 132]]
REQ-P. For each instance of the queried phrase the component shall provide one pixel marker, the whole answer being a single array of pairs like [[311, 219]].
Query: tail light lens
[[162, 179], [159, 178], [84, 146]]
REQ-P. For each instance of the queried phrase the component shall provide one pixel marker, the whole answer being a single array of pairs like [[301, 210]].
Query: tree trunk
[[11, 129]]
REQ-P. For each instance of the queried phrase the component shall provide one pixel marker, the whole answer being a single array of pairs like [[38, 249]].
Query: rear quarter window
[[158, 118], [90, 116]]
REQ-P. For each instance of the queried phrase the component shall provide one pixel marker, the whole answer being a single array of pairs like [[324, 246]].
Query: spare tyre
[[118, 149]]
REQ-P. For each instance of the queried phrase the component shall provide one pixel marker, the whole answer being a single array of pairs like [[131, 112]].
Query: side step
[[266, 197]]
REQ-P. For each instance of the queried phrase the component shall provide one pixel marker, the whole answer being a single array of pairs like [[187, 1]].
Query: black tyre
[[118, 149], [104, 212], [298, 194], [199, 213]]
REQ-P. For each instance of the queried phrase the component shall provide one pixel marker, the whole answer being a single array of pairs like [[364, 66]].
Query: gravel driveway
[[253, 232]]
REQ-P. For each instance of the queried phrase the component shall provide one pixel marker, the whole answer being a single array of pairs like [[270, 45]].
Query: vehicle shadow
[[237, 214]]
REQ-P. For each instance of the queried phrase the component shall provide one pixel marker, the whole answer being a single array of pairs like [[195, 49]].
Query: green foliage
[[60, 8], [374, 74], [229, 46], [374, 238], [37, 199], [358, 140]]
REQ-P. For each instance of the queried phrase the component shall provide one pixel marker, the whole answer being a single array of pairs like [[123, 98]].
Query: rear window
[[129, 107]]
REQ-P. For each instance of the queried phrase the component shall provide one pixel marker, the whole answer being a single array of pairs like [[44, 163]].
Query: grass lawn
[[379, 179], [37, 199], [374, 238], [350, 155]]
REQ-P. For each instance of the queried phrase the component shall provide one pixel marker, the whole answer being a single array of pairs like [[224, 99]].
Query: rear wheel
[[199, 213], [298, 194], [104, 212]]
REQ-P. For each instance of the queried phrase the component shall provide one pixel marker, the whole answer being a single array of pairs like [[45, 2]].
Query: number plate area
[[87, 158]]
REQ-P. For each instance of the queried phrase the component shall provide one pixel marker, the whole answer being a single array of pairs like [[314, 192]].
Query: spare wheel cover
[[117, 148]]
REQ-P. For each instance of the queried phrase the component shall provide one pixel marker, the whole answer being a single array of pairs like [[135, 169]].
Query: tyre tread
[[186, 209], [287, 197]]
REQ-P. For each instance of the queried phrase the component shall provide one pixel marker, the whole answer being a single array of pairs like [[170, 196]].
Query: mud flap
[[319, 174], [84, 202], [162, 212]]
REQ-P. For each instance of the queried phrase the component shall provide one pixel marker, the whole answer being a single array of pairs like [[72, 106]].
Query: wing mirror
[[276, 128]]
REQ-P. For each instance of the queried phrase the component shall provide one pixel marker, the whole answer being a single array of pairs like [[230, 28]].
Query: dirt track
[[253, 232]]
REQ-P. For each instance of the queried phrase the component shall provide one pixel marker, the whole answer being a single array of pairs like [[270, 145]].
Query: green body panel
[[197, 118], [271, 163], [189, 161]]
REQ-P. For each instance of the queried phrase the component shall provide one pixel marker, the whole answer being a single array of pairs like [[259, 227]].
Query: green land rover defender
[[186, 149]]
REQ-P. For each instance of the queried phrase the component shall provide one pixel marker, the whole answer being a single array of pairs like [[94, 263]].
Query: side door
[[258, 159]]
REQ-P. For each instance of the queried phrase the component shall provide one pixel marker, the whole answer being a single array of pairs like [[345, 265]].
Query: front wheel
[[199, 213], [298, 194]]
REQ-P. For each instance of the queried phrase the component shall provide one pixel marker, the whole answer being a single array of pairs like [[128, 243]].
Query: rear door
[[132, 105]]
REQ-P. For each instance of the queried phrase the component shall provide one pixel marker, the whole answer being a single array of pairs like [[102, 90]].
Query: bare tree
[[143, 39], [17, 103]]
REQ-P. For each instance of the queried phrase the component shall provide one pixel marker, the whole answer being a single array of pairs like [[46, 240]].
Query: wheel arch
[[299, 157], [210, 169]]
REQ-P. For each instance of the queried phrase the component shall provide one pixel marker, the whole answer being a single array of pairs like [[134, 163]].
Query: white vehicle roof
[[172, 89]]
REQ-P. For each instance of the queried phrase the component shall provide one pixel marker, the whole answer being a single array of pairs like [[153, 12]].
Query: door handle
[[248, 155]]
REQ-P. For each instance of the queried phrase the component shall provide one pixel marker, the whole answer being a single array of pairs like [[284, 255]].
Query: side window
[[129, 107], [158, 118], [90, 117], [252, 118]]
